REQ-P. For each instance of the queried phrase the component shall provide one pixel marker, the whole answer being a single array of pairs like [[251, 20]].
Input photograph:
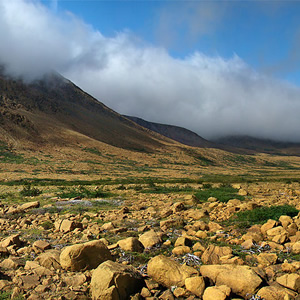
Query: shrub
[[83, 192], [28, 190], [47, 225]]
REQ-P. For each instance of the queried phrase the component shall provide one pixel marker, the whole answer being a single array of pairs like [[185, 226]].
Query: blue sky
[[215, 67], [265, 34]]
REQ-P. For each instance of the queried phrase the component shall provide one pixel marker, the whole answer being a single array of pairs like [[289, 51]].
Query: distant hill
[[255, 145], [234, 144], [179, 134], [54, 110]]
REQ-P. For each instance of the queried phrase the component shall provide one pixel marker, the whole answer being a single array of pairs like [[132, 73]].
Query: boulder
[[108, 226], [49, 259], [296, 248], [267, 226], [76, 280], [241, 279], [131, 244], [171, 223], [216, 293], [191, 200], [150, 239], [115, 281], [195, 214], [242, 192], [267, 259], [195, 285], [67, 225], [285, 221], [275, 292], [84, 256], [37, 269], [181, 250], [168, 272], [291, 281], [41, 245], [200, 225], [178, 206], [213, 253], [30, 205], [279, 230], [183, 241], [11, 240]]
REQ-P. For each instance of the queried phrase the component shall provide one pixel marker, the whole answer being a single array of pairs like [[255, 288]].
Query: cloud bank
[[212, 96]]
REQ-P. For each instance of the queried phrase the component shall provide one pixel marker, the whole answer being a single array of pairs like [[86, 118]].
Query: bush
[[28, 190], [47, 225], [83, 192]]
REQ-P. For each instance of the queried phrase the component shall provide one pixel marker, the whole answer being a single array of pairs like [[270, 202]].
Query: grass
[[6, 295], [93, 151], [107, 181], [8, 156], [223, 194], [162, 189], [83, 192], [261, 215], [242, 159], [202, 160]]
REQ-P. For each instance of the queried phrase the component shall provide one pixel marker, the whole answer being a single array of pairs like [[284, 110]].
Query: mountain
[[235, 144], [179, 134], [54, 110], [257, 145]]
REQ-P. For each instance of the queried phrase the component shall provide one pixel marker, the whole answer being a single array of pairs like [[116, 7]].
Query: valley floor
[[101, 223]]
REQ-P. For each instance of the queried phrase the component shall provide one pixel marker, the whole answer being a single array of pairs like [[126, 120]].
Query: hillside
[[257, 145], [235, 144], [179, 134], [54, 111]]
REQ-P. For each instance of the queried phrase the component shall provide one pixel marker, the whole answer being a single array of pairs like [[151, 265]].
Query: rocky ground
[[151, 246]]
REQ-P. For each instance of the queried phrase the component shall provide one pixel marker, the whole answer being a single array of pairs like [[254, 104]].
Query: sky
[[215, 67]]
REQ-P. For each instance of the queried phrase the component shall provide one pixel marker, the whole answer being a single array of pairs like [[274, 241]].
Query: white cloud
[[212, 96]]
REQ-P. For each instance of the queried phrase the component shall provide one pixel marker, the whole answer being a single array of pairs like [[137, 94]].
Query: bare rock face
[[241, 279], [131, 244], [114, 281], [84, 256], [168, 272]]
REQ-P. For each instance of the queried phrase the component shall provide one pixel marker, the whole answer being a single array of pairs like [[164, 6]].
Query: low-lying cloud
[[212, 96]]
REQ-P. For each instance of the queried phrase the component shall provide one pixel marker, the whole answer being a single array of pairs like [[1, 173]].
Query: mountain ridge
[[177, 133], [35, 111]]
